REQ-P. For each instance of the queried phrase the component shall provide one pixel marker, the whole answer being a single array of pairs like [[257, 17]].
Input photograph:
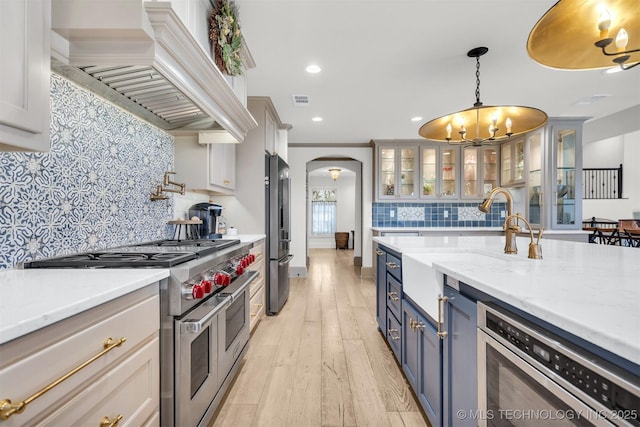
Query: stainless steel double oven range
[[204, 317]]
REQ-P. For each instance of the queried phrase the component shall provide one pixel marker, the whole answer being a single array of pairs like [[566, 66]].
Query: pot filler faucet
[[509, 226]]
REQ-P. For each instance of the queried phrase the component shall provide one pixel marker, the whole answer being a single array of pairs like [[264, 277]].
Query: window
[[323, 211]]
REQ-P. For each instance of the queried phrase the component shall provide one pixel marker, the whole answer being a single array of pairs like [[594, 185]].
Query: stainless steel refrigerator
[[278, 227]]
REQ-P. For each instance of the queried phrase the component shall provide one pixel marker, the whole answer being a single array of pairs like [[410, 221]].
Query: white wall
[[298, 159], [610, 153], [345, 187]]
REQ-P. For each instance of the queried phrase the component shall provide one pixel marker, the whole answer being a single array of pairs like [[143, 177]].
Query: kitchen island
[[429, 295]]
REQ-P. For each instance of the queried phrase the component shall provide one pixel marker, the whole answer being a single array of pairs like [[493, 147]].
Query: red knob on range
[[239, 270], [252, 257], [218, 278], [206, 285], [227, 279], [197, 292], [245, 262]]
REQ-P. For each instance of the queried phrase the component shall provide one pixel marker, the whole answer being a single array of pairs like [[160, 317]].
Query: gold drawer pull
[[392, 265], [441, 300], [107, 422], [7, 408], [393, 296], [390, 332]]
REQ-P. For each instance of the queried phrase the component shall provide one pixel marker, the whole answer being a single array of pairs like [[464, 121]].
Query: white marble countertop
[[246, 238], [454, 230], [591, 291], [34, 298]]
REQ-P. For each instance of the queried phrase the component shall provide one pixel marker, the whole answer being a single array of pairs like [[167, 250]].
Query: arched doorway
[[347, 190]]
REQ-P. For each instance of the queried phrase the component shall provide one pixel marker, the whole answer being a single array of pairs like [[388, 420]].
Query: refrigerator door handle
[[286, 261], [286, 241]]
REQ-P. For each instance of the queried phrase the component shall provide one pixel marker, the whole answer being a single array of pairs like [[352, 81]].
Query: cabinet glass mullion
[[470, 171], [534, 184], [506, 162], [565, 157], [489, 169], [387, 171], [407, 170]]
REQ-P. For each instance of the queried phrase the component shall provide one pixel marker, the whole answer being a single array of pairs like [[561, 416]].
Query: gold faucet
[[510, 228], [161, 189], [535, 250], [167, 181]]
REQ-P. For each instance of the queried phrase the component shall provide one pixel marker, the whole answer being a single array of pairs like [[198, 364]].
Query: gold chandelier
[[483, 124], [587, 34]]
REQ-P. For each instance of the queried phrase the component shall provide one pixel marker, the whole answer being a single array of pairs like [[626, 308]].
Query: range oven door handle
[[286, 261], [238, 287], [194, 326]]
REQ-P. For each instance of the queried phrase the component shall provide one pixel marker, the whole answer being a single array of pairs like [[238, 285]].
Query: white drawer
[[36, 366], [128, 389]]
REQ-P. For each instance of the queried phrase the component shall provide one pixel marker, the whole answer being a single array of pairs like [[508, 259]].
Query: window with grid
[[323, 211]]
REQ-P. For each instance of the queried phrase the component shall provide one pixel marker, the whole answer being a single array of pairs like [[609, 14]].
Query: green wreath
[[226, 38]]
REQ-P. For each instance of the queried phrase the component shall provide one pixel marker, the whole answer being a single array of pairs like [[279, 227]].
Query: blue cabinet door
[[459, 359], [429, 389], [381, 288], [410, 355]]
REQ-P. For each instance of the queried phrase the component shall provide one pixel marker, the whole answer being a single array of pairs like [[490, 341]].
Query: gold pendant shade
[[478, 120], [565, 36]]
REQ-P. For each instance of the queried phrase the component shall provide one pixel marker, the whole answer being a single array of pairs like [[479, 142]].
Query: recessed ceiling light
[[313, 69], [317, 119], [416, 119]]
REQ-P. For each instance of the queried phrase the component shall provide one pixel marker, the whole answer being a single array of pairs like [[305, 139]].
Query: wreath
[[226, 38]]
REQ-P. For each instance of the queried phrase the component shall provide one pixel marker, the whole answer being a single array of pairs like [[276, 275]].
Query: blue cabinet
[[459, 359], [389, 297], [421, 360], [381, 287]]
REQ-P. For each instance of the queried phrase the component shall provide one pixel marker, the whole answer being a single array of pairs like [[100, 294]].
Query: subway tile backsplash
[[91, 190], [449, 214]]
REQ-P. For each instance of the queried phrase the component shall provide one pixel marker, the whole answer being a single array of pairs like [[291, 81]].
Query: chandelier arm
[[630, 66], [617, 53]]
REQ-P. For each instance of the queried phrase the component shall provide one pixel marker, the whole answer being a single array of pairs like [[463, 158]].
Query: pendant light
[[587, 34], [483, 124]]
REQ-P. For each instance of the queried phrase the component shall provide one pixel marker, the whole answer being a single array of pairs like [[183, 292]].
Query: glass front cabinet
[[397, 172], [554, 175], [512, 163], [479, 171], [439, 171]]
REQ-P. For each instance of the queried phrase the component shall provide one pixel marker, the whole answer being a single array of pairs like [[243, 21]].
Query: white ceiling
[[386, 61]]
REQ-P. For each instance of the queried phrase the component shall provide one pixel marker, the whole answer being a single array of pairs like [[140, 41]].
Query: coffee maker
[[209, 214]]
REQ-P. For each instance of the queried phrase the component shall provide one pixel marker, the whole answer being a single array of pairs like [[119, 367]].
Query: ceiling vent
[[300, 100]]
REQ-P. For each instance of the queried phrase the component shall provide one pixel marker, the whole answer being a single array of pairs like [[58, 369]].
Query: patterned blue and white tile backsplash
[[91, 191], [449, 214]]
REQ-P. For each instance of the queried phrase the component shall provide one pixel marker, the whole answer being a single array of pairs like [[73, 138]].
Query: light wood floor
[[322, 360]]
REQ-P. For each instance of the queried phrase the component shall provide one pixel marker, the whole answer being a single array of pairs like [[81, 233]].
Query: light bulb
[[604, 22], [622, 39], [508, 124], [449, 131]]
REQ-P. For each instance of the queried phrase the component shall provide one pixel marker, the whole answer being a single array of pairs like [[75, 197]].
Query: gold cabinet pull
[[393, 296], [391, 331], [379, 252], [108, 422], [7, 408], [441, 300], [392, 265]]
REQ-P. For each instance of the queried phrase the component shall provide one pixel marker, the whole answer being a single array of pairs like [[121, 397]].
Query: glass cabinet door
[[489, 169], [534, 186], [407, 170], [564, 196], [506, 164], [448, 171], [387, 171], [470, 178], [429, 171], [518, 163]]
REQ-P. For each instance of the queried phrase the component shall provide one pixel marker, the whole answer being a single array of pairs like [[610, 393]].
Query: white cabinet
[[205, 167], [25, 28], [479, 171], [396, 171], [512, 163], [120, 376], [439, 167], [257, 288]]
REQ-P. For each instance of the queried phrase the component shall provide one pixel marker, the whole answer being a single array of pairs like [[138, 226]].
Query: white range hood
[[141, 56]]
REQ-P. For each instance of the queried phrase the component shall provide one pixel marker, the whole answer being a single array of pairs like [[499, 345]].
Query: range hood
[[142, 57]]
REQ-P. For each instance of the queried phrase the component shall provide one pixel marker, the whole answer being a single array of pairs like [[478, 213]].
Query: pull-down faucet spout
[[510, 227]]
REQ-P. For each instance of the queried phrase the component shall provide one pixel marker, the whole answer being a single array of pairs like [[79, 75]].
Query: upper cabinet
[[554, 174], [25, 28], [434, 171], [512, 163], [397, 167], [271, 132]]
